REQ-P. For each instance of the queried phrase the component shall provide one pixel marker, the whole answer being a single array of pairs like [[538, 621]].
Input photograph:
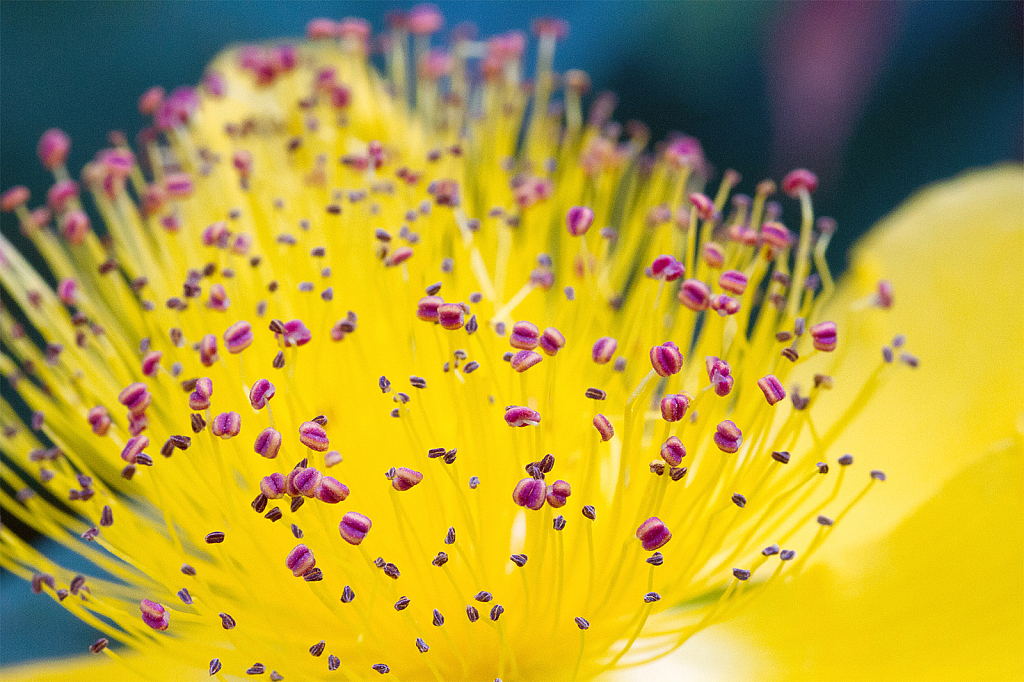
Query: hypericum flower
[[297, 170]]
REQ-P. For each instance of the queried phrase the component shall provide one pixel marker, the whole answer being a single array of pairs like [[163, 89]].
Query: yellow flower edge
[[942, 595]]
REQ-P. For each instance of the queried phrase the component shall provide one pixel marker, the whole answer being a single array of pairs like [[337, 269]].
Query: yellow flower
[[352, 387]]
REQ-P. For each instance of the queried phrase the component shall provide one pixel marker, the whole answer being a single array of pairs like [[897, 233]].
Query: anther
[[656, 559], [877, 475], [40, 579], [772, 389], [728, 437], [496, 611], [524, 336], [595, 394], [667, 268], [799, 180], [695, 295], [529, 493], [259, 503], [653, 534], [558, 493], [822, 381], [603, 350], [421, 645], [741, 573], [518, 416], [550, 341], [184, 596], [590, 512], [672, 451], [106, 516], [313, 436], [780, 456], [582, 623], [256, 669], [402, 604], [99, 645], [238, 337], [268, 443], [133, 447], [76, 584], [300, 560], [331, 491], [440, 560], [274, 514], [846, 460], [347, 595], [787, 555], [135, 397], [391, 571], [666, 359], [909, 360], [449, 537], [604, 427], [825, 336], [188, 570], [524, 360], [354, 527], [518, 559], [451, 316], [215, 666], [155, 615], [559, 522], [578, 220], [438, 619], [318, 648], [674, 406], [260, 393], [226, 425], [214, 538]]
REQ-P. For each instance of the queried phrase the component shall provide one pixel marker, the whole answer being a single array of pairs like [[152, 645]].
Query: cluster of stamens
[[296, 186]]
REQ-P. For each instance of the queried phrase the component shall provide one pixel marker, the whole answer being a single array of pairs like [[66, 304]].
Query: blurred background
[[879, 98]]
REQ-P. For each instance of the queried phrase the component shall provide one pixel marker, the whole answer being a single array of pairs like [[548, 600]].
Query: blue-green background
[[945, 94]]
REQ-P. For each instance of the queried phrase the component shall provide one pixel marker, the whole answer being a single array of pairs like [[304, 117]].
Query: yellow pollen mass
[[420, 373]]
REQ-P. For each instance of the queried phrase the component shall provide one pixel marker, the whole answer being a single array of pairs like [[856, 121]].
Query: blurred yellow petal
[[955, 255], [940, 599]]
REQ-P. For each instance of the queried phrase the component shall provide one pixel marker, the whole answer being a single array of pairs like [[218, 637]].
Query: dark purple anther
[[653, 534], [557, 494], [529, 493]]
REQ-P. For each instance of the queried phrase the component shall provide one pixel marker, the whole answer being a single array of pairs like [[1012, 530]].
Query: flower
[[297, 231]]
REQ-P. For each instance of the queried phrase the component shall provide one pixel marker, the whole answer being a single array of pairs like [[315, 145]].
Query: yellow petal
[[955, 255], [940, 599]]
